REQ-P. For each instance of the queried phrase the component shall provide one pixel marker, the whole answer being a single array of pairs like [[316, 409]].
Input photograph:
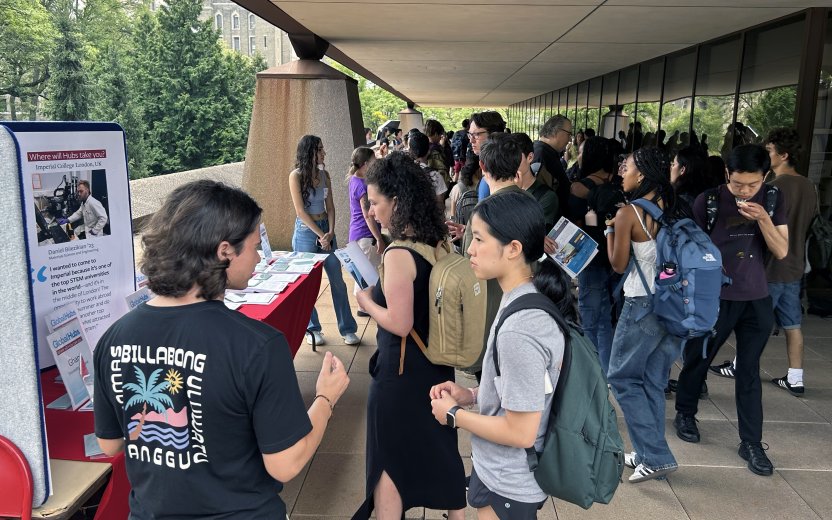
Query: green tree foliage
[[769, 109], [113, 99], [196, 96], [68, 93], [27, 40]]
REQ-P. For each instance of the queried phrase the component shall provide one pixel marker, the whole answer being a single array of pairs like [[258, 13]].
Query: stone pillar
[[290, 101], [411, 118]]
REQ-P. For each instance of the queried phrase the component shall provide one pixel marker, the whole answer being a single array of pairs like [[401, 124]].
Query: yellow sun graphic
[[175, 381]]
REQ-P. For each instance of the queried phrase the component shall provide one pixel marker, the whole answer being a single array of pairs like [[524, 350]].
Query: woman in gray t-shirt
[[508, 231]]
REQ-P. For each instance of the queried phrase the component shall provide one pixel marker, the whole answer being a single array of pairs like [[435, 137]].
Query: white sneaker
[[630, 459], [351, 339], [319, 338], [643, 473]]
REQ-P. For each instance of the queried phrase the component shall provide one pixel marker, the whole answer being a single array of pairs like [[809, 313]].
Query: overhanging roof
[[495, 52]]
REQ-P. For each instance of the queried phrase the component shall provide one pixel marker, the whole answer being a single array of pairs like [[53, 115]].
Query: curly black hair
[[306, 164], [416, 215], [786, 140]]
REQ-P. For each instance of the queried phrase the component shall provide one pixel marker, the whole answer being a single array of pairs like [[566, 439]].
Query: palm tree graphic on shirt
[[148, 392]]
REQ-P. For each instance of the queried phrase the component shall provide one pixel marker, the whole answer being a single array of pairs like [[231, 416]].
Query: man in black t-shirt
[[744, 232], [203, 400]]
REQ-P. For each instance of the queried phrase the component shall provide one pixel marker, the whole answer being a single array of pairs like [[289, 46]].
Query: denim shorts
[[505, 508], [785, 298]]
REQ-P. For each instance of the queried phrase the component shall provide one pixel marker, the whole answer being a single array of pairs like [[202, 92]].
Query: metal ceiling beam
[[309, 45]]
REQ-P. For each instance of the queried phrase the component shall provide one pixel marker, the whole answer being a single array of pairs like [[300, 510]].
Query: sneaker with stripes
[[724, 370], [783, 382], [643, 473], [630, 460]]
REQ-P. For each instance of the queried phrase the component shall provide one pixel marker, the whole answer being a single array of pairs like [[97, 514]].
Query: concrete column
[[411, 118], [292, 100]]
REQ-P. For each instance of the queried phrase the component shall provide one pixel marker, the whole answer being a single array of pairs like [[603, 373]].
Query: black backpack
[[604, 199], [465, 205], [583, 454]]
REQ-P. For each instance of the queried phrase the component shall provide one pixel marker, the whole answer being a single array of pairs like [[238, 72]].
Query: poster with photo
[[76, 200]]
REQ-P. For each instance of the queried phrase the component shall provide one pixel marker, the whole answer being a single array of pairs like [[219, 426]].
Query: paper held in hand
[[355, 262], [575, 249]]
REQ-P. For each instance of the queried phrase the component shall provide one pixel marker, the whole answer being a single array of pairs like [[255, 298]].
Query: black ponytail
[[551, 281], [516, 216]]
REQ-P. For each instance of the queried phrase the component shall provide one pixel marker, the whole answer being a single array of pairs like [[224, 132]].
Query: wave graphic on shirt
[[172, 431]]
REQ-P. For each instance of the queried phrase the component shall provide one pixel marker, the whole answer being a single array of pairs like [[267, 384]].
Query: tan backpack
[[457, 307]]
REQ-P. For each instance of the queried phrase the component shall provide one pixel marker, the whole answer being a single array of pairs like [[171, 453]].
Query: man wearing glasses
[[554, 136]]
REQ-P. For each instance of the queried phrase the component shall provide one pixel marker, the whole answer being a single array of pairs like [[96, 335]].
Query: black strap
[[539, 301], [712, 204]]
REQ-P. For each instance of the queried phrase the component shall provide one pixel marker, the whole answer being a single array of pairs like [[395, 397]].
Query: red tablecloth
[[65, 429], [290, 311]]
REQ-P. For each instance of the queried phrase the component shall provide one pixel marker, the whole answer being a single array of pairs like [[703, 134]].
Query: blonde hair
[[360, 156]]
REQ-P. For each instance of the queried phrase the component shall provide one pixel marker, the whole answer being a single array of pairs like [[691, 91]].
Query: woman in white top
[[508, 230], [642, 350]]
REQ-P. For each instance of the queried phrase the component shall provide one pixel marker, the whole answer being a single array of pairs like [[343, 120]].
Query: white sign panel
[[76, 200]]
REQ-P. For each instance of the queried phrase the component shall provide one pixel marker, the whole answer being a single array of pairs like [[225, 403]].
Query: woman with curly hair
[[412, 461], [311, 190]]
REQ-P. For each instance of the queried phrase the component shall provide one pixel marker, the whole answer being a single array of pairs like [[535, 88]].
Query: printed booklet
[[575, 249], [355, 262]]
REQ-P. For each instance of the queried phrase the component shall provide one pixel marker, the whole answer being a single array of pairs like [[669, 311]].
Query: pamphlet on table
[[575, 249], [74, 359]]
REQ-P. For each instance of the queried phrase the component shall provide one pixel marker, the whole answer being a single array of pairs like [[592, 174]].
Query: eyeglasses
[[567, 131], [476, 135]]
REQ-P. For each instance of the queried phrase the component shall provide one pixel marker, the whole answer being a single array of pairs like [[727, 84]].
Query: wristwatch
[[451, 416]]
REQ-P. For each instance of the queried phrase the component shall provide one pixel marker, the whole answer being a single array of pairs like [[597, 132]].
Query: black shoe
[[668, 393], [703, 393], [673, 384], [362, 314], [686, 427], [755, 454], [783, 382], [724, 370]]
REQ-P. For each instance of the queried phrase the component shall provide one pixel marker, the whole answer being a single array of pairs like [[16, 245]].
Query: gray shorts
[[505, 508]]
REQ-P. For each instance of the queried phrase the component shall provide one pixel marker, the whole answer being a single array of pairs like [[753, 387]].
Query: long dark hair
[[416, 215], [695, 179], [516, 216], [306, 164], [655, 167]]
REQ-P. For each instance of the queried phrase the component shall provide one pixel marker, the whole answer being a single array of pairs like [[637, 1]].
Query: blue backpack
[[689, 276]]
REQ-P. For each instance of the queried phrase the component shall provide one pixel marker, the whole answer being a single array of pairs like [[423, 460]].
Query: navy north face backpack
[[689, 276]]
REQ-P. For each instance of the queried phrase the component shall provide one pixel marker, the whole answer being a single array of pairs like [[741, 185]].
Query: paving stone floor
[[712, 482]]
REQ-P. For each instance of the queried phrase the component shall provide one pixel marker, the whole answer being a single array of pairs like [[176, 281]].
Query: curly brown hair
[[180, 241], [416, 215]]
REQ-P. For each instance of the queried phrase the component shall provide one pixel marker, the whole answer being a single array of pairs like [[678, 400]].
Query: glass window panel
[[593, 113], [571, 106], [627, 93], [677, 101], [820, 158], [716, 82], [608, 101], [768, 86], [581, 117], [647, 108]]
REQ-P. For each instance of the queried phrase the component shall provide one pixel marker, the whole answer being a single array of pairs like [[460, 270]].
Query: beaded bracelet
[[331, 406]]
